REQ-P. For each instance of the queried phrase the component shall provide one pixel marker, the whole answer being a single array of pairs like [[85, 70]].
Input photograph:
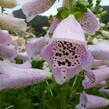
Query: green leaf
[[83, 2], [64, 14], [78, 15]]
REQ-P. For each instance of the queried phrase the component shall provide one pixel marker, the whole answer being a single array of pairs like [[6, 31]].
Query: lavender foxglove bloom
[[101, 84], [5, 37], [67, 52], [100, 51], [12, 24], [34, 7], [35, 45], [89, 23], [8, 3], [7, 51], [99, 63], [104, 90], [91, 102], [94, 77], [13, 76]]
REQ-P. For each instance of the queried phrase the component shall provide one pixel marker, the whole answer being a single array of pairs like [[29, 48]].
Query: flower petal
[[91, 102], [35, 45], [67, 52], [12, 24], [94, 77], [104, 90], [14, 76], [7, 51], [100, 51], [5, 37], [35, 7], [89, 23], [100, 63]]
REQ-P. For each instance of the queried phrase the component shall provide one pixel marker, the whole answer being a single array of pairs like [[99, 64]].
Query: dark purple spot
[[59, 63], [57, 54], [76, 56], [63, 63], [69, 64], [67, 60], [73, 52], [73, 48], [64, 77]]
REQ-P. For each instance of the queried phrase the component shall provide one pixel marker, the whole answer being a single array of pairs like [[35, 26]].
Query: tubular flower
[[91, 102], [104, 90], [7, 50], [94, 77], [89, 23], [100, 63], [100, 50], [13, 75], [35, 45], [67, 51], [5, 37], [12, 24], [35, 7], [8, 3]]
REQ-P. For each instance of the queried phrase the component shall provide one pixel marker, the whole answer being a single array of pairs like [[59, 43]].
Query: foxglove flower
[[91, 102], [100, 50], [89, 23], [35, 7], [8, 3], [101, 84], [104, 90], [67, 52], [13, 76], [94, 77], [12, 24], [100, 63], [35, 45], [5, 37], [7, 51]]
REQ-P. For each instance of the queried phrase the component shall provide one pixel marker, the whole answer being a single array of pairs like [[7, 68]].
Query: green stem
[[71, 4], [75, 80], [63, 96], [50, 89]]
